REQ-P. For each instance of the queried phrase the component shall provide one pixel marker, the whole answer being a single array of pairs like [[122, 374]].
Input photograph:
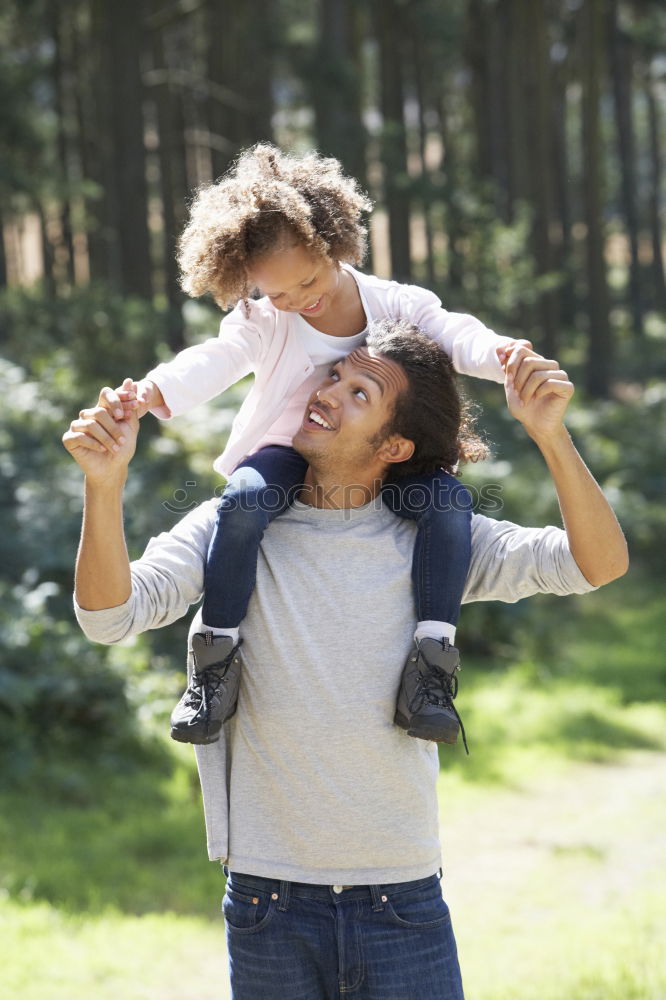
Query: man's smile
[[315, 415]]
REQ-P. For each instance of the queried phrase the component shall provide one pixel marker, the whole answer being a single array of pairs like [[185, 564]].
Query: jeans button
[[337, 888]]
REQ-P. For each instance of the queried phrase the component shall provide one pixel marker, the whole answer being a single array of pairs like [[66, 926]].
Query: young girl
[[291, 227]]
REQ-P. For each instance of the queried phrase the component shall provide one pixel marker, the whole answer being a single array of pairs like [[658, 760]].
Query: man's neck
[[328, 492]]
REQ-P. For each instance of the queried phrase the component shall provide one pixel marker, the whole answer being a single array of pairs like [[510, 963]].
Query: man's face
[[340, 432]]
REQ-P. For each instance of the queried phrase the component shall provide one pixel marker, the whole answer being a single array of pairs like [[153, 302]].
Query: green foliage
[[23, 121], [61, 696], [69, 343], [138, 831], [498, 276]]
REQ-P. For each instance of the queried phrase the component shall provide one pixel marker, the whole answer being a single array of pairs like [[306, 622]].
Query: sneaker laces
[[439, 688], [204, 686]]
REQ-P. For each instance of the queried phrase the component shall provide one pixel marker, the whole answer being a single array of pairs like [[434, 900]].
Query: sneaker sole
[[197, 738], [435, 734]]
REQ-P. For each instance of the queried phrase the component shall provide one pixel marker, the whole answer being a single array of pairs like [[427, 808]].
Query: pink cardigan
[[261, 339]]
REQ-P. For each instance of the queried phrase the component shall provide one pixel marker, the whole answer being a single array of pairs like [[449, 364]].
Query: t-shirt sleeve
[[166, 581], [510, 562]]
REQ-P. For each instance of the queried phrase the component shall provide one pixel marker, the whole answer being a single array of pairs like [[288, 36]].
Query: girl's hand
[[504, 351], [131, 398]]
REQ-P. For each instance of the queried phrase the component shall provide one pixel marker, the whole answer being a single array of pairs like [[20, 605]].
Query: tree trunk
[[519, 141], [335, 86], [654, 199], [502, 77], [394, 137], [621, 73], [562, 211], [222, 55], [477, 58], [47, 254], [173, 183], [454, 216], [3, 254], [418, 49], [600, 341], [240, 69], [93, 131], [124, 39], [537, 109], [58, 69]]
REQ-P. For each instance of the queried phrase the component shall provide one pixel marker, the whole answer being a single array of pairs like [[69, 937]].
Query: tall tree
[[241, 59], [621, 71], [94, 147], [62, 120], [562, 186], [3, 253], [172, 159], [336, 84], [435, 36], [656, 176], [452, 173], [388, 17], [421, 95], [592, 73], [537, 113], [122, 24], [519, 140]]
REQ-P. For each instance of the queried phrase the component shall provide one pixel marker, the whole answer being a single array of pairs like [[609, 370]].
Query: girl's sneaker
[[212, 692], [429, 684]]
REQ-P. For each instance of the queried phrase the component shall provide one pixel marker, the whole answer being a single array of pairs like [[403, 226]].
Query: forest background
[[514, 151]]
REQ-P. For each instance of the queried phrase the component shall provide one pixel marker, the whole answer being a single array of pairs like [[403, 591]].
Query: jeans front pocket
[[247, 912], [421, 908]]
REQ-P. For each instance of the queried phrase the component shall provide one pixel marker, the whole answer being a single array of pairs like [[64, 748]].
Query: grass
[[52, 955], [555, 883], [132, 843], [551, 833]]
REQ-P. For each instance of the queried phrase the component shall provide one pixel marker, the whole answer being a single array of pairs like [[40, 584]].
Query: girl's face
[[295, 280]]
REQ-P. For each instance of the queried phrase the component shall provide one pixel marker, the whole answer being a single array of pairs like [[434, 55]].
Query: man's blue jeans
[[266, 483], [309, 942]]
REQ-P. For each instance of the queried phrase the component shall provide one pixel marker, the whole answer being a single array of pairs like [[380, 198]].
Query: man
[[324, 810]]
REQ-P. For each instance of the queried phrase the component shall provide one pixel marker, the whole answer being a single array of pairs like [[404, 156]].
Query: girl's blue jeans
[[321, 942], [266, 483]]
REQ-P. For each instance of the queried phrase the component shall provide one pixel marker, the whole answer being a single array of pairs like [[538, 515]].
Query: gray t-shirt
[[312, 781]]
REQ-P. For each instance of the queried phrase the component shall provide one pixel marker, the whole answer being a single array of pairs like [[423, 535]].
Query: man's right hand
[[102, 446]]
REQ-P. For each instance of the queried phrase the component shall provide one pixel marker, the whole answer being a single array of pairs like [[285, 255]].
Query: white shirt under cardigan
[[256, 337], [312, 781]]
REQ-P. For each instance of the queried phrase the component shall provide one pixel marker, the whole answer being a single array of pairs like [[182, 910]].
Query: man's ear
[[396, 449]]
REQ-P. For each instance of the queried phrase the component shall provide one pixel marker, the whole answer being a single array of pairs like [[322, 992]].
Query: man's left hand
[[537, 392]]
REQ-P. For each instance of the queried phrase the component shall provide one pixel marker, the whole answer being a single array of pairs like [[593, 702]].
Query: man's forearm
[[103, 577], [595, 536]]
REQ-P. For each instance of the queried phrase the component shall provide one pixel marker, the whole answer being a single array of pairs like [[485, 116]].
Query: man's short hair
[[432, 411]]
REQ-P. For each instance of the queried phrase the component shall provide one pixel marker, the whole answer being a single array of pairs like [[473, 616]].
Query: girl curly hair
[[267, 200]]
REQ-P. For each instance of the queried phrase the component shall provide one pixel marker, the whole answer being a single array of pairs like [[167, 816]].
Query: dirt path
[[607, 814], [561, 882]]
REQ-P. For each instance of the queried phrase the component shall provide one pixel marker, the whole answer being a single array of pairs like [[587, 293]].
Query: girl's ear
[[396, 449]]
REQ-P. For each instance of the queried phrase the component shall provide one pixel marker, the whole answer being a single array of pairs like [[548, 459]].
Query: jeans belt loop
[[283, 899], [378, 899]]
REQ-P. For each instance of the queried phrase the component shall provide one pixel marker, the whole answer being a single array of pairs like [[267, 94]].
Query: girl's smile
[[295, 280]]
